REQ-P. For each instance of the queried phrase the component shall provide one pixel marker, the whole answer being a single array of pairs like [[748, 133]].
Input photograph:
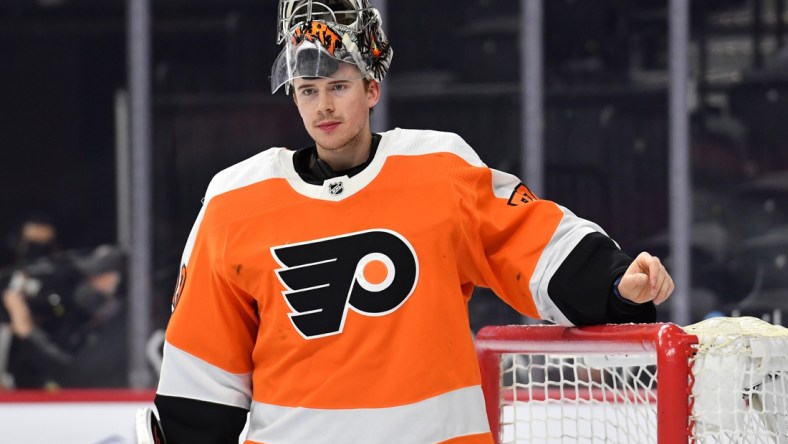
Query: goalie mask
[[319, 35]]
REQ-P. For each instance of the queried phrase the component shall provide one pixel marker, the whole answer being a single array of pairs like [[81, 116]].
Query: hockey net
[[718, 381]]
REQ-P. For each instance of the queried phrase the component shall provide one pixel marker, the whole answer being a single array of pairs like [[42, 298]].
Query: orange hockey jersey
[[338, 313]]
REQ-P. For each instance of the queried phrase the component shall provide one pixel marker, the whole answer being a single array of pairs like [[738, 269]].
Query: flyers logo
[[370, 272]]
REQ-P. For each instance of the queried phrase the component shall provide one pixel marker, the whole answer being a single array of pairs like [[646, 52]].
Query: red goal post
[[665, 345]]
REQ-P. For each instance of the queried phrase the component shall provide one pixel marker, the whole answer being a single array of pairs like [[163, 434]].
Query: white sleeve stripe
[[570, 231], [186, 376]]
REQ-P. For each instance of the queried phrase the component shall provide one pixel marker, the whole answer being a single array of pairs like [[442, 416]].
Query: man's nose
[[325, 102]]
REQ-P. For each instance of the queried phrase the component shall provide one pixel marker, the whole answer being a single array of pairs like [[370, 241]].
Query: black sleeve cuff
[[199, 422], [582, 287]]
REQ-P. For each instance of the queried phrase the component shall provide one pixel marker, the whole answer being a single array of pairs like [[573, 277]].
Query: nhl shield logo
[[336, 188]]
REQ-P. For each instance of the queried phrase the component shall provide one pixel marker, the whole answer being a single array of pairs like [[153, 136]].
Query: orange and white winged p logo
[[371, 272]]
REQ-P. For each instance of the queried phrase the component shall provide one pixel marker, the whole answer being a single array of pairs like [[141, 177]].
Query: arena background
[[457, 67]]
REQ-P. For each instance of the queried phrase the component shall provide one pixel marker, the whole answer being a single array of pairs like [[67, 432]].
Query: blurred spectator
[[38, 265], [84, 343], [37, 238], [39, 270]]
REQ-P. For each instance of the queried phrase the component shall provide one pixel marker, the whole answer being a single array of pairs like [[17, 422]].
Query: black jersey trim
[[314, 171]]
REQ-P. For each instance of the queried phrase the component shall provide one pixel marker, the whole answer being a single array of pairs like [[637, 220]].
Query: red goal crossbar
[[672, 346]]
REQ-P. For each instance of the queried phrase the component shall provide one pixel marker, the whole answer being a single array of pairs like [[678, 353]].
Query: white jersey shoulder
[[262, 166], [277, 162], [409, 142], [406, 142]]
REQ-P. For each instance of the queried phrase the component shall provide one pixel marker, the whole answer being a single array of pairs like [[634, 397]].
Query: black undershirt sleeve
[[189, 421], [582, 287]]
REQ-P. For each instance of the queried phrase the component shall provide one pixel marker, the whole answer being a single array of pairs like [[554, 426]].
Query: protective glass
[[309, 60]]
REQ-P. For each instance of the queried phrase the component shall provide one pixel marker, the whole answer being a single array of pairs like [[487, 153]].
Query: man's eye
[[340, 87], [307, 92]]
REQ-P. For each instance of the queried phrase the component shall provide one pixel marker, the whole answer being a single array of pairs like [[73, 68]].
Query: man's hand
[[646, 280], [19, 312]]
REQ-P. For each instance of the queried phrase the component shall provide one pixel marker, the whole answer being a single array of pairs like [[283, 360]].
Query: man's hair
[[40, 218]]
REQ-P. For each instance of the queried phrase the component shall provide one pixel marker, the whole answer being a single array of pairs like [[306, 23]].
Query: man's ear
[[373, 93], [295, 97]]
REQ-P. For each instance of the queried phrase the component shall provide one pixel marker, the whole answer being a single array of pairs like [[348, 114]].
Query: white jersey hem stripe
[[450, 415]]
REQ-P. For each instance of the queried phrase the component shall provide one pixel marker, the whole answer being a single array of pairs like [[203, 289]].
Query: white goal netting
[[719, 381], [571, 398]]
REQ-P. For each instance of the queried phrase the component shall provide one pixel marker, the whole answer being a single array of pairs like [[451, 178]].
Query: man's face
[[40, 233], [37, 241], [335, 110]]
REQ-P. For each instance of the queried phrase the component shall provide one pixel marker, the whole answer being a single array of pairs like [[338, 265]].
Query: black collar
[[313, 170]]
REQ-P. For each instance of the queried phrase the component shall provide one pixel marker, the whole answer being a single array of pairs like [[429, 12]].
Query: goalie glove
[[148, 428]]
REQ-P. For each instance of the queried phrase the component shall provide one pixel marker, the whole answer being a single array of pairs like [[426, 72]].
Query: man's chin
[[330, 143]]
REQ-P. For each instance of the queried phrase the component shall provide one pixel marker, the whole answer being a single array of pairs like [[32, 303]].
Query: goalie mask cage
[[719, 381]]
